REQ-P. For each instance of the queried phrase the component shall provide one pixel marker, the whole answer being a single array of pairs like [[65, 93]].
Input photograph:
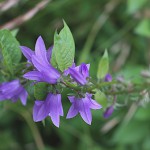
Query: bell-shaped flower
[[40, 58], [13, 90], [51, 107], [80, 73], [83, 106]]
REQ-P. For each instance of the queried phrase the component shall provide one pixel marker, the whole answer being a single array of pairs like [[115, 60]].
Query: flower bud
[[108, 112], [108, 78]]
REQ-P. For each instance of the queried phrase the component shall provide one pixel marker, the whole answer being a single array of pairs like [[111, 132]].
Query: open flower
[[44, 71], [80, 73], [52, 107], [13, 90], [82, 106]]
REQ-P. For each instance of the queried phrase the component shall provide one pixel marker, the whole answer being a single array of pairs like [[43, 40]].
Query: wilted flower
[[52, 107], [108, 111], [80, 73], [82, 106], [13, 90], [108, 78], [44, 72]]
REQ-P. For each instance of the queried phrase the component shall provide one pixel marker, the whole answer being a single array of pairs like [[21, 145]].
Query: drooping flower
[[44, 71], [51, 107], [13, 90], [83, 106], [108, 78], [108, 112], [80, 73]]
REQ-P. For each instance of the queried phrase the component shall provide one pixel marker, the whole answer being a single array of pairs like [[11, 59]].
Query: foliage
[[124, 34]]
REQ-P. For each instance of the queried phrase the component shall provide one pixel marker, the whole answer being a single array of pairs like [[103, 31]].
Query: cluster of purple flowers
[[44, 72]]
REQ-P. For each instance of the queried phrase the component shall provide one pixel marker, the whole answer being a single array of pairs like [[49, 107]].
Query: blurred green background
[[122, 27]]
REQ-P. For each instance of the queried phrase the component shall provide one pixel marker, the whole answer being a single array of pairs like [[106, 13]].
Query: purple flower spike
[[80, 73], [13, 90], [52, 107], [40, 59], [108, 78], [83, 106], [108, 112]]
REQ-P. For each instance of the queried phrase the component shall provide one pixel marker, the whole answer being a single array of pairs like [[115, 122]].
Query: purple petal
[[40, 51], [23, 96], [2, 97], [27, 52], [33, 75], [71, 98], [49, 53], [94, 105], [66, 72], [40, 110], [12, 85], [38, 64], [77, 76], [72, 112], [84, 70], [86, 115], [55, 108], [88, 66]]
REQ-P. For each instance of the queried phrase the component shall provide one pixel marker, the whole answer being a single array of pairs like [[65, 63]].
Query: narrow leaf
[[103, 66]]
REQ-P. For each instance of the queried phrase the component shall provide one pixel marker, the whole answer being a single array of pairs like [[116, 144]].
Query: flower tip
[[40, 38], [56, 125]]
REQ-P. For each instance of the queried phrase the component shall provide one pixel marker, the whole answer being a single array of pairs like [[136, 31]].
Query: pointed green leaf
[[64, 49], [40, 91], [103, 66], [100, 97], [14, 32], [9, 49], [143, 28]]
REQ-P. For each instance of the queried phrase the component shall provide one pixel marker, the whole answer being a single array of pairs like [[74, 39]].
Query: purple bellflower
[[44, 71], [80, 73], [51, 107], [13, 90], [108, 112], [83, 106], [108, 78]]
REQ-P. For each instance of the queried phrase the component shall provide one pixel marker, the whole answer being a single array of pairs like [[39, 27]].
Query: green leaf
[[103, 66], [40, 91], [134, 5], [9, 49], [100, 97], [143, 28], [14, 32], [64, 49]]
